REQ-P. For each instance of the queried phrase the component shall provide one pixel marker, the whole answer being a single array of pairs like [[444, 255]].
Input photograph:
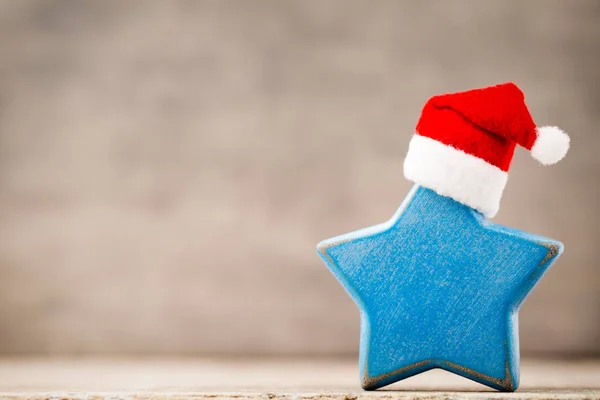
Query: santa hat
[[464, 143]]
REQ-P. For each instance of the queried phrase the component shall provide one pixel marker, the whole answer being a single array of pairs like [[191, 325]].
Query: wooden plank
[[173, 379]]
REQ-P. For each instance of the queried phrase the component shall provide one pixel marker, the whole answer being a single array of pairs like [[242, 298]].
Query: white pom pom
[[551, 145]]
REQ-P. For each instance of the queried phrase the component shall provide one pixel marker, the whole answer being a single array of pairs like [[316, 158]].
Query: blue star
[[439, 286]]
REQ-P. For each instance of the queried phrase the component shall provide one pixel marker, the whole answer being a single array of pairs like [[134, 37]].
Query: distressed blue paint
[[439, 286]]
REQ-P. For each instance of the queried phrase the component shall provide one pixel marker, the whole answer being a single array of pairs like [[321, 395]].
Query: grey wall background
[[166, 168]]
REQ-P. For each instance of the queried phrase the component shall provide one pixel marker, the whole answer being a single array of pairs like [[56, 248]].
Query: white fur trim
[[456, 174], [551, 145]]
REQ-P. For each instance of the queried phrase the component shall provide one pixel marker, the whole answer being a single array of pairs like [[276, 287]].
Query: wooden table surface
[[132, 379]]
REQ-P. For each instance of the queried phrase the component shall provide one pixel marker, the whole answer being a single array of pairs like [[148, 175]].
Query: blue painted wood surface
[[439, 286]]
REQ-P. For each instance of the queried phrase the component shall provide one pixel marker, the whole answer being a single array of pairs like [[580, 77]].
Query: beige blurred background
[[166, 168]]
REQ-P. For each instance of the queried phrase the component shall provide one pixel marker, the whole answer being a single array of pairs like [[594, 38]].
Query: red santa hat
[[464, 143]]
